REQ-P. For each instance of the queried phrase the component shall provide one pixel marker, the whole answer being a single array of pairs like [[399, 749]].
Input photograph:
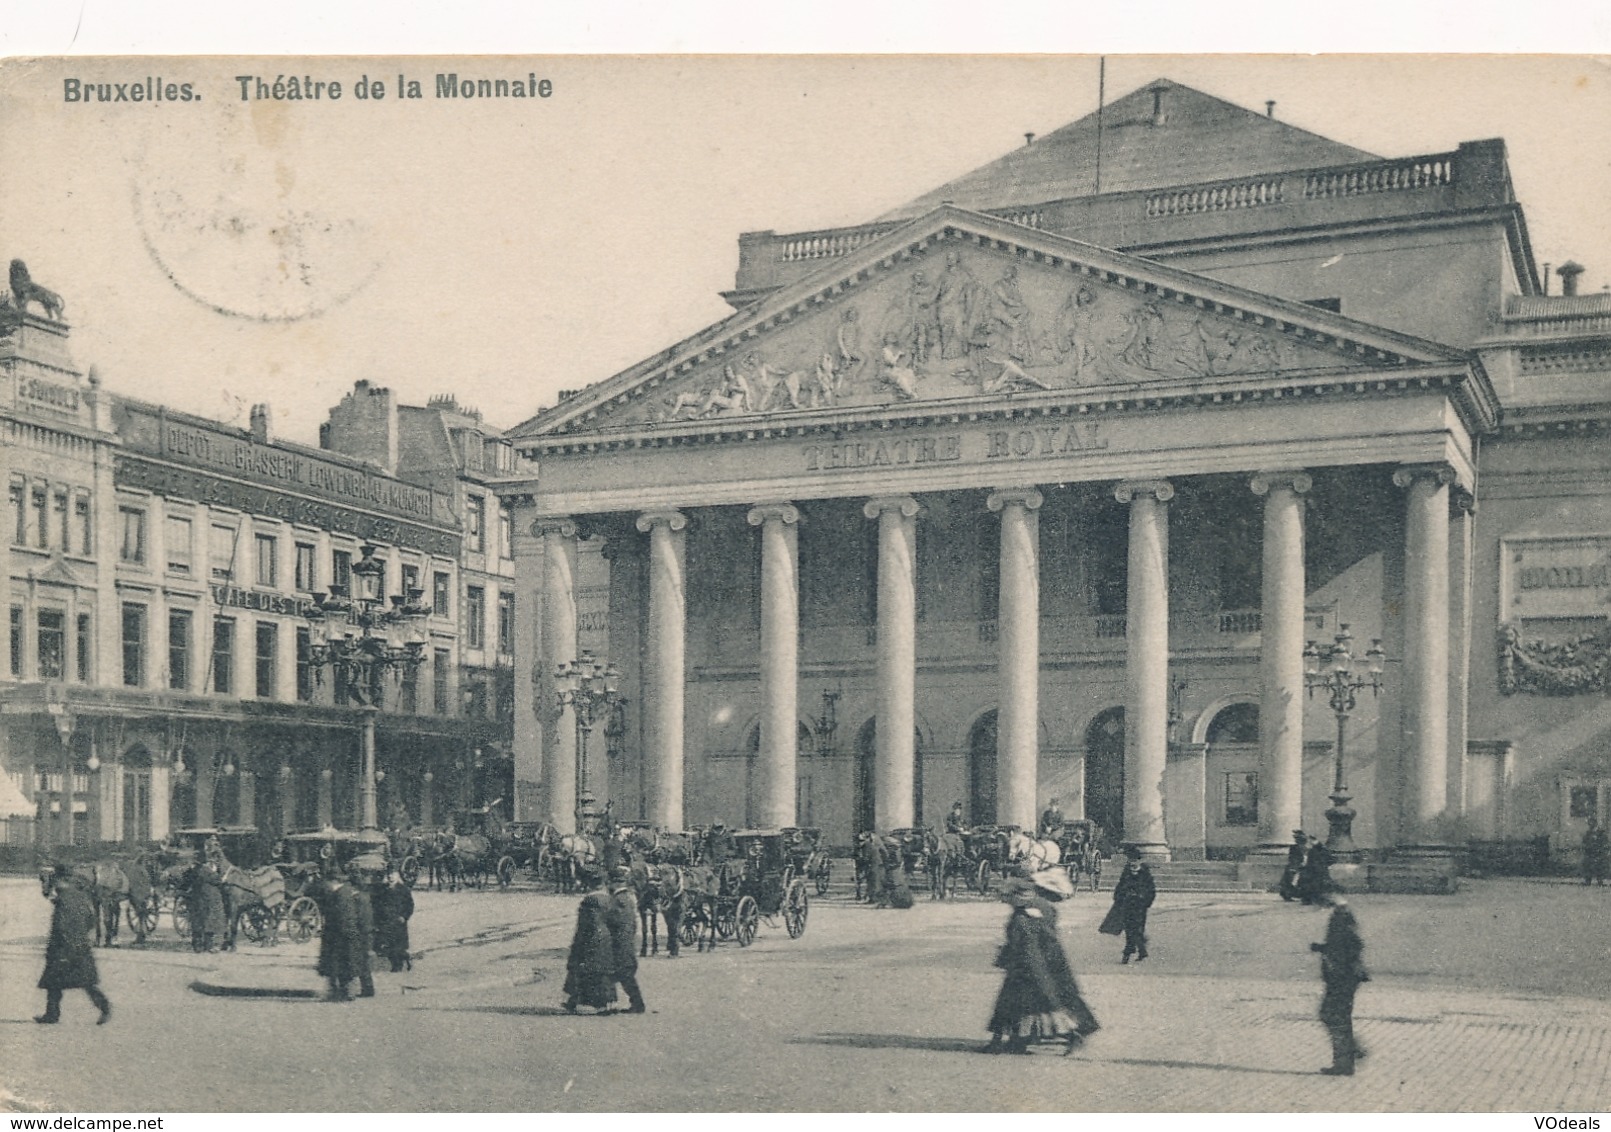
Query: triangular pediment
[[960, 307], [57, 572]]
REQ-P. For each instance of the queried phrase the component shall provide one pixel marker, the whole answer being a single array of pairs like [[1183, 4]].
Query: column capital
[[672, 520], [1462, 502], [562, 525], [786, 513], [1162, 490], [905, 504], [1027, 497], [1440, 474], [1263, 482]]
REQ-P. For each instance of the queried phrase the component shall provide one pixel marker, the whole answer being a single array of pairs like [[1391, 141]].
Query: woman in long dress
[[590, 970], [1039, 999]]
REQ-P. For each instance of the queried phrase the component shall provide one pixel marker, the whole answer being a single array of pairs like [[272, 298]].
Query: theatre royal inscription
[[972, 446]]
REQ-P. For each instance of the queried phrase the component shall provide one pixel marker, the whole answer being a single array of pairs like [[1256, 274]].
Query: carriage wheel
[[795, 910], [981, 878], [257, 924], [746, 920], [303, 919], [824, 876], [727, 922], [689, 932], [506, 871], [181, 915], [142, 921], [788, 876], [409, 870]]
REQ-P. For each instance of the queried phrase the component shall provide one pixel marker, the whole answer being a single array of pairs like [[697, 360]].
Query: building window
[[64, 532], [476, 523], [181, 549], [86, 526], [268, 574], [179, 621], [439, 680], [506, 533], [475, 617], [307, 580], [19, 511], [221, 553], [1582, 802], [16, 641], [304, 665], [1242, 798], [506, 622], [223, 655], [268, 650], [440, 589], [411, 579], [86, 649], [341, 571], [132, 546], [134, 645], [41, 499], [52, 644]]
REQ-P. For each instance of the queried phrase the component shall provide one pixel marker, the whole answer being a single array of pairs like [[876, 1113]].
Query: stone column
[[1462, 533], [558, 647], [665, 661], [780, 668], [326, 814], [427, 807], [1146, 713], [1018, 659], [894, 767], [246, 792], [161, 796], [1426, 648], [1281, 699]]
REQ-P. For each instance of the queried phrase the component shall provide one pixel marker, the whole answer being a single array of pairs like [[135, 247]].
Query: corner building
[[1040, 484]]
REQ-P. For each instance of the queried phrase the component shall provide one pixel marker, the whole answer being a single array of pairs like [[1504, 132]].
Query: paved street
[[1498, 998]]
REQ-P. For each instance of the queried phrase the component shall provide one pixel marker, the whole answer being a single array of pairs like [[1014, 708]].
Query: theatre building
[[1041, 484], [161, 569]]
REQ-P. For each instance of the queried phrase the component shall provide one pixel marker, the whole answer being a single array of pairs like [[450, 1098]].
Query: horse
[[573, 853], [436, 851], [947, 853], [661, 890], [110, 885], [1030, 853], [465, 857]]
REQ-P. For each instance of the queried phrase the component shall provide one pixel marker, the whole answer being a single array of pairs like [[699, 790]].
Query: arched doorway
[[1233, 744], [136, 795], [1104, 773], [982, 770], [866, 792]]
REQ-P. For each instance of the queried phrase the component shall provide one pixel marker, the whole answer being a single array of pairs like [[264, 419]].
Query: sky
[[219, 252]]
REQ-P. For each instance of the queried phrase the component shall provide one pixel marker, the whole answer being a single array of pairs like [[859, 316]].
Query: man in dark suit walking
[[1342, 969], [622, 919], [69, 960]]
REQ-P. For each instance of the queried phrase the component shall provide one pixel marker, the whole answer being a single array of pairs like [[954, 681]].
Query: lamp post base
[[1340, 842]]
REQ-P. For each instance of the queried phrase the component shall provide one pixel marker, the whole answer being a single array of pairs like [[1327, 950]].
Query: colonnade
[[1424, 693]]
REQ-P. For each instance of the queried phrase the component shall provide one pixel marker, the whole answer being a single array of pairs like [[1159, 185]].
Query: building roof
[[1159, 135]]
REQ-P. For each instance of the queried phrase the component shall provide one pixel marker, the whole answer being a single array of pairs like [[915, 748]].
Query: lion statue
[[26, 291]]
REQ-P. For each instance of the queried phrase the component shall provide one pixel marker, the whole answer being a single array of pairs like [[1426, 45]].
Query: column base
[[1152, 852]]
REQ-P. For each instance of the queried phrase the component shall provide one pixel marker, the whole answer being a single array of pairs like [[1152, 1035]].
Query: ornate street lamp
[[590, 687], [1331, 668], [360, 640]]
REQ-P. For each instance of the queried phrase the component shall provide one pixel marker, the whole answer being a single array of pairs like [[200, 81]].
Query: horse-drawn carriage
[[477, 846], [1081, 844], [224, 847], [327, 852], [808, 857], [759, 880]]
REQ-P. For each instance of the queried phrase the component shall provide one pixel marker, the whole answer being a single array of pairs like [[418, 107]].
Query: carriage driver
[[1051, 822], [955, 822]]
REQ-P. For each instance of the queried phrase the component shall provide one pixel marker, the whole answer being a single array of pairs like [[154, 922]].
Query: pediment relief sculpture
[[963, 322]]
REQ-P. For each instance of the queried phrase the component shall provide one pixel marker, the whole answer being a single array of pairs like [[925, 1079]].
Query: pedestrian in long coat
[[1342, 969], [1596, 854], [1132, 896], [1039, 997], [69, 956], [870, 857], [1314, 882], [336, 944], [590, 970], [363, 937], [1296, 852], [622, 920], [897, 893], [207, 915], [394, 906]]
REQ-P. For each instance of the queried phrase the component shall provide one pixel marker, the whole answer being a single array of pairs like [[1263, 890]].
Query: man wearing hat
[[1051, 821], [955, 822], [1342, 969], [69, 959], [1296, 852], [1132, 896], [622, 919]]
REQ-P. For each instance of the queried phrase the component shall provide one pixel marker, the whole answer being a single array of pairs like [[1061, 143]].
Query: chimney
[[1569, 272], [262, 424], [1158, 116], [364, 426], [1269, 108], [1029, 139]]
